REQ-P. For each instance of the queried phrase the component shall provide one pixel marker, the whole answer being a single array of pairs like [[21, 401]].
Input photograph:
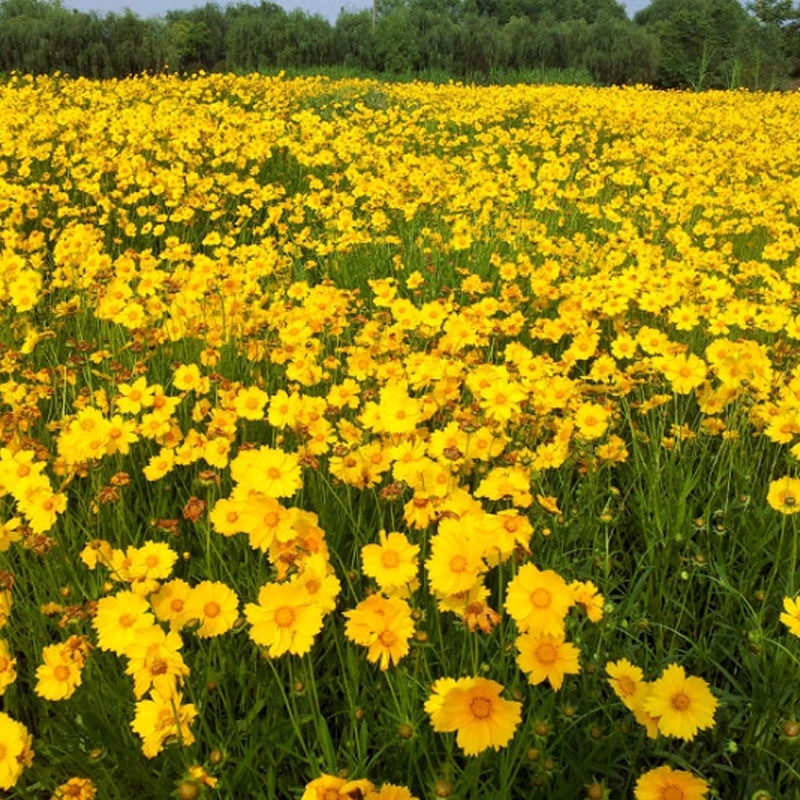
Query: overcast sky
[[327, 8]]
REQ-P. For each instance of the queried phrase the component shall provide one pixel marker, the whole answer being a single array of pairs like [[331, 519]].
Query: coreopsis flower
[[510, 482], [9, 533], [8, 671], [269, 471], [684, 372], [120, 619], [59, 675], [392, 563], [250, 403], [214, 605], [147, 565], [317, 578], [791, 614], [456, 559], [41, 505], [188, 378], [784, 495], [332, 787], [169, 603], [284, 620], [75, 789], [591, 419], [588, 596], [159, 464], [538, 600], [163, 719], [683, 703], [547, 657], [474, 709], [15, 750], [665, 783], [6, 601], [155, 663], [384, 625], [627, 681], [132, 398]]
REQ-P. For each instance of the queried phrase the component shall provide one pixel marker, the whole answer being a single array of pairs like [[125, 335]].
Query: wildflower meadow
[[380, 441]]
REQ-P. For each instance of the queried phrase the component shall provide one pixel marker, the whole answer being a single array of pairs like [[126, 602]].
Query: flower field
[[387, 441]]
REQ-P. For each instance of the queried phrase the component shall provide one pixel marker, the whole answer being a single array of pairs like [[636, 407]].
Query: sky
[[326, 8]]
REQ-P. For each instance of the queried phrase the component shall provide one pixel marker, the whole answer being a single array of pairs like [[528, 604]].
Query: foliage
[[674, 43]]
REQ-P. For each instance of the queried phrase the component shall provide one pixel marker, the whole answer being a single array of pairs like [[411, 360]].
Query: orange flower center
[[389, 559], [626, 685], [680, 702], [274, 473], [61, 673], [331, 794], [481, 707], [388, 638], [284, 616], [458, 564], [541, 598], [672, 792], [547, 653], [158, 667], [127, 620], [3, 751], [176, 605], [211, 609]]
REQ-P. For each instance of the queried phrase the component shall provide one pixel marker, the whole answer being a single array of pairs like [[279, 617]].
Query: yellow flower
[[75, 789], [213, 605], [162, 719], [784, 495], [683, 704], [474, 709], [545, 657], [538, 600], [626, 680], [60, 674], [15, 750], [8, 672], [791, 614], [456, 561], [384, 625], [284, 620], [665, 783], [392, 562], [120, 619], [332, 787]]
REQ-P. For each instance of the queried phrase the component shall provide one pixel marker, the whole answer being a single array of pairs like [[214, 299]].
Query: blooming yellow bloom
[[683, 704], [538, 600], [546, 657], [284, 620], [160, 719], [213, 606], [665, 783], [15, 750], [384, 625], [791, 614], [474, 709], [392, 562], [784, 495], [626, 680]]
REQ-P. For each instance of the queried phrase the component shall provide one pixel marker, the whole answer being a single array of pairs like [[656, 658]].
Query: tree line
[[670, 44]]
